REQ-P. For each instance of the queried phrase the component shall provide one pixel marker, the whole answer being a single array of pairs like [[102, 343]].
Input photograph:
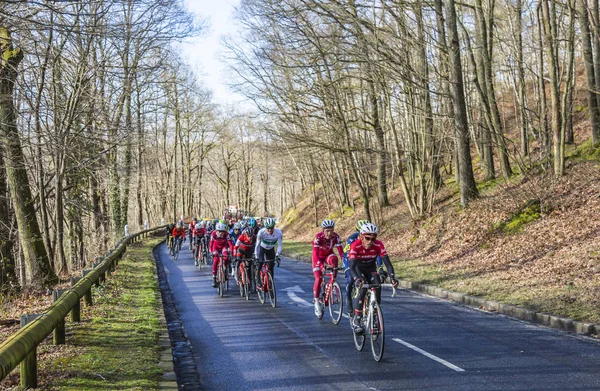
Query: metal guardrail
[[20, 348]]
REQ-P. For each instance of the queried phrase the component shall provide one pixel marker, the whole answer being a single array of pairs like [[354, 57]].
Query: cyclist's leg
[[318, 275], [376, 280], [225, 253], [366, 272], [270, 258], [332, 260]]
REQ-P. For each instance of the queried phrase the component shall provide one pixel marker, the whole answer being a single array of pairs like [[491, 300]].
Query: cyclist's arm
[[280, 243], [315, 252], [257, 243], [354, 272], [388, 265], [340, 249]]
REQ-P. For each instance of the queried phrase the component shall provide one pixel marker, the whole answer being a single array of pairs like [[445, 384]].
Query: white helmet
[[369, 228], [328, 224], [198, 225], [237, 226], [203, 223], [221, 227]]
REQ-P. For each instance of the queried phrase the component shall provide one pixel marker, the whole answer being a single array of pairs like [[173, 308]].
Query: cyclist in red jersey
[[363, 267], [178, 234], [220, 243], [244, 248], [323, 245]]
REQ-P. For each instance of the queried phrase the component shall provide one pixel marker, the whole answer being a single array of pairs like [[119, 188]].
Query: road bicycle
[[205, 251], [331, 294], [265, 286], [372, 323], [175, 248], [222, 279], [199, 259], [243, 277]]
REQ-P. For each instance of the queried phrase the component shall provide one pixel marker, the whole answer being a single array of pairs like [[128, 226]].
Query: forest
[[104, 124]]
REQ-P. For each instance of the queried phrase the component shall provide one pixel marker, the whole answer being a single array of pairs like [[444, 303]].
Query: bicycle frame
[[326, 293]]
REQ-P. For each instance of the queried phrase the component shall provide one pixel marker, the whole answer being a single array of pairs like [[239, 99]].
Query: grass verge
[[115, 347], [296, 249]]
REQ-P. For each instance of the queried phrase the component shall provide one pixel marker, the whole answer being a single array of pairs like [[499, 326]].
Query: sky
[[201, 52]]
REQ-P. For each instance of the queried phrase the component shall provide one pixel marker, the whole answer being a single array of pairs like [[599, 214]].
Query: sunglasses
[[370, 238]]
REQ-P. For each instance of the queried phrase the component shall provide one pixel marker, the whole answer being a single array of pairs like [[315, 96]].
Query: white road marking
[[291, 292], [431, 356]]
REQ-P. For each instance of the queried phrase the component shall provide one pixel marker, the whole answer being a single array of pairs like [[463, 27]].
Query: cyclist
[[349, 284], [178, 235], [363, 267], [266, 239], [322, 254], [219, 243], [168, 233], [198, 234], [235, 232], [244, 248], [191, 228]]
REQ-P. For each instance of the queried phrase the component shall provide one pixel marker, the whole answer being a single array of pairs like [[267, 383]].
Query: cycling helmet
[[328, 224], [203, 223], [249, 231], [369, 228], [198, 225], [360, 223], [251, 222], [237, 226], [270, 223], [222, 221], [221, 227], [179, 225]]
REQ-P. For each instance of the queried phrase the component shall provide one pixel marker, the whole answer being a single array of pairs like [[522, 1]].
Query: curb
[[168, 380], [481, 303]]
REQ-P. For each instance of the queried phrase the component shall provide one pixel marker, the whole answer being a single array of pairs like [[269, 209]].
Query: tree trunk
[[468, 187], [8, 276], [551, 35], [590, 75], [38, 270]]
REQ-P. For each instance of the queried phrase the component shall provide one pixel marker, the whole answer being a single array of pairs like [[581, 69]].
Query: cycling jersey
[[268, 241], [244, 244], [323, 247], [220, 241], [178, 232]]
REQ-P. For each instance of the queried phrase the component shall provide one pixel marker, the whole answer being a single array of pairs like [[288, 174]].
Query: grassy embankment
[[115, 347]]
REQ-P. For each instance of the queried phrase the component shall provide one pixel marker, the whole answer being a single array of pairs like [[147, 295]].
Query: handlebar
[[375, 286]]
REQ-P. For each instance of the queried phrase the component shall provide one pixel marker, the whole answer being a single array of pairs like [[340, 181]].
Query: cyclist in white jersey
[[266, 239]]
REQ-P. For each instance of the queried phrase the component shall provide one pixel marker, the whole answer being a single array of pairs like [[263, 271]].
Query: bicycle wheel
[[272, 291], [240, 280], [221, 279], [336, 303], [376, 331], [359, 341], [246, 284], [260, 289]]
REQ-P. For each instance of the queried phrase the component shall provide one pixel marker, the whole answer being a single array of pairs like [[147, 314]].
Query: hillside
[[532, 241]]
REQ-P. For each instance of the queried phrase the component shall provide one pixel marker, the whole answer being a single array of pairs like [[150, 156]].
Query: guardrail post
[[29, 365], [59, 330], [76, 311], [97, 283], [88, 294]]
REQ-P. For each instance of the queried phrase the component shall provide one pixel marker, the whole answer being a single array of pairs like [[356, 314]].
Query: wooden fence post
[[76, 311], [88, 294], [29, 365], [59, 330]]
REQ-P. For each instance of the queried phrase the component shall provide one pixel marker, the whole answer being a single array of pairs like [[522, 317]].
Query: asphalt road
[[431, 344]]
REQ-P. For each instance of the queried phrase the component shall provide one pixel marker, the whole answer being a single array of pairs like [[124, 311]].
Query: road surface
[[431, 344]]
